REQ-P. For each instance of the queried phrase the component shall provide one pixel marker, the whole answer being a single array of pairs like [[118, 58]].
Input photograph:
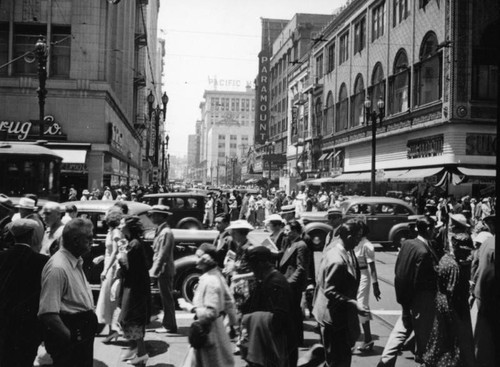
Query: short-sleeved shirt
[[49, 238], [365, 253], [64, 286]]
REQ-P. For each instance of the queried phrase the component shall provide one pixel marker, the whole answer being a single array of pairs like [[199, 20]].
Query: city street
[[169, 351]]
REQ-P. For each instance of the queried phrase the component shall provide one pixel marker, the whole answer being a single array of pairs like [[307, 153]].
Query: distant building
[[226, 131], [103, 59]]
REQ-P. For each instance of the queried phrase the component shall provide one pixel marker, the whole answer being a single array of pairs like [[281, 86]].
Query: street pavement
[[170, 351]]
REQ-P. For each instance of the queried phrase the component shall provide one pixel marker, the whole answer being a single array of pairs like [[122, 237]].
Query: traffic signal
[[154, 176]]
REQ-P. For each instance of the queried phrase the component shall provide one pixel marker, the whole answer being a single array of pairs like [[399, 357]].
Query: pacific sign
[[262, 100]]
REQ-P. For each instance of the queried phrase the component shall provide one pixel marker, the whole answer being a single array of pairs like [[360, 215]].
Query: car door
[[384, 215]]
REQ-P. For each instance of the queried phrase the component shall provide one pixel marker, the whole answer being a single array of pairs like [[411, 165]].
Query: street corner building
[[100, 62], [398, 92]]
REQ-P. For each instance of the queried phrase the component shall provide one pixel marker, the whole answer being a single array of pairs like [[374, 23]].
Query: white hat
[[274, 218], [85, 192], [460, 219], [240, 224], [26, 203]]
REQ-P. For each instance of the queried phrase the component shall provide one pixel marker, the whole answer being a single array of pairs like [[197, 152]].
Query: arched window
[[342, 109], [318, 119], [399, 84], [377, 89], [357, 102], [328, 121], [428, 73], [485, 58]]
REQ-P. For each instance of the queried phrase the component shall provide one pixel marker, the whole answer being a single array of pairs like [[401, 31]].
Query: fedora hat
[[26, 203], [85, 192], [240, 224], [460, 219], [160, 209], [22, 226], [334, 211], [274, 218], [5, 202]]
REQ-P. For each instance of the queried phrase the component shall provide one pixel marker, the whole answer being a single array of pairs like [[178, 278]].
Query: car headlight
[[316, 240]]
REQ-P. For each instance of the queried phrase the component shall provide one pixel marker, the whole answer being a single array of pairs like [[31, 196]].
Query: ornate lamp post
[[269, 146], [157, 112], [164, 145], [41, 55], [372, 116]]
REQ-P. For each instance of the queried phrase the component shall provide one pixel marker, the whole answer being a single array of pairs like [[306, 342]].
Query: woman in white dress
[[365, 254], [212, 300], [106, 307]]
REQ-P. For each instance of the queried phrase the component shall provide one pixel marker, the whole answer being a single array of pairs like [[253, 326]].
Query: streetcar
[[29, 168]]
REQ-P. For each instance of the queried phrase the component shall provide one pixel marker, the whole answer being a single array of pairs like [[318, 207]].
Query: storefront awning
[[415, 175], [352, 177], [394, 175], [323, 156], [309, 181], [478, 172], [71, 156]]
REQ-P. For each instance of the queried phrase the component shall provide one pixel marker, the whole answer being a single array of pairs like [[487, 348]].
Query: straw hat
[[26, 203], [460, 219], [240, 224], [160, 209], [274, 218]]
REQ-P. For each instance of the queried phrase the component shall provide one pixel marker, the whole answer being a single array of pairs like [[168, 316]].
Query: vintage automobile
[[187, 208], [389, 220], [186, 243]]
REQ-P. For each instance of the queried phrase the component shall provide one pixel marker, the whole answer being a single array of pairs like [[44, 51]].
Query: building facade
[[426, 70], [102, 60], [226, 132]]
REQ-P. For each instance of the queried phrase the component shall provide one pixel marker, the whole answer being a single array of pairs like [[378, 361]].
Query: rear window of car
[[359, 209], [384, 209]]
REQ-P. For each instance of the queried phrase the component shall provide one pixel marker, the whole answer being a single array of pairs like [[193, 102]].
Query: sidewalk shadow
[[155, 347], [99, 364]]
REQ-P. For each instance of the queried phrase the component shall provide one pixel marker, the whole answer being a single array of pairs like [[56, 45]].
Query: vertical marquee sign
[[262, 102]]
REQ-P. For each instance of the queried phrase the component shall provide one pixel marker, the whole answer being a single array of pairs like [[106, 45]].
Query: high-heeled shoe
[[142, 360], [366, 347], [110, 337], [131, 354]]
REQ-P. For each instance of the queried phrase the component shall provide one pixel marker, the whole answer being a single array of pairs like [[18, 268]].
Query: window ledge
[[427, 105]]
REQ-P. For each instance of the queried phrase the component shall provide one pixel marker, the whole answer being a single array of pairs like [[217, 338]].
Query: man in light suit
[[293, 265], [415, 283], [223, 242], [336, 308], [163, 266]]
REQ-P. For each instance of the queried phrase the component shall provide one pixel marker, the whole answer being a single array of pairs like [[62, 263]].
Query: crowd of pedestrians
[[250, 299]]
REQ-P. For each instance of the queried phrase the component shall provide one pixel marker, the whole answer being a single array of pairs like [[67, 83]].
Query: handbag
[[198, 334]]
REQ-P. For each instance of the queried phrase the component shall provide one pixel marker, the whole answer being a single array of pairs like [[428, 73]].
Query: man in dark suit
[[293, 265], [336, 308], [20, 273], [223, 242], [415, 283]]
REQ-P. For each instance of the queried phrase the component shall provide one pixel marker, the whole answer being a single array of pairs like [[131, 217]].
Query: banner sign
[[17, 130], [262, 100], [481, 144], [430, 146]]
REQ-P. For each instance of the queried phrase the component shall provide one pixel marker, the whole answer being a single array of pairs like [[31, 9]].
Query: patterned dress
[[442, 348]]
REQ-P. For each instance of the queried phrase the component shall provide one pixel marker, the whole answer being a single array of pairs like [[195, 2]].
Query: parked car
[[389, 220], [186, 243], [188, 208]]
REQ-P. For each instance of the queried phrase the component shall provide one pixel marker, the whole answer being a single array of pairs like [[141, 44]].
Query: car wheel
[[190, 225], [399, 237], [188, 285]]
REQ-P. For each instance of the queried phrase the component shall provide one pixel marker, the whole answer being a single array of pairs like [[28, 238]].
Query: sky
[[214, 38]]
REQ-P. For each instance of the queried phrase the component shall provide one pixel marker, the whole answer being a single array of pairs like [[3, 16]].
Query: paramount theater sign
[[262, 100]]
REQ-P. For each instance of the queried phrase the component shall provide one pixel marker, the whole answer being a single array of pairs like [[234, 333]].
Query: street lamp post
[[41, 55], [233, 162], [372, 116], [164, 148]]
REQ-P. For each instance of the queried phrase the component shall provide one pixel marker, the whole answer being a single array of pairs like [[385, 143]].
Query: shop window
[[357, 103], [359, 35], [4, 46], [344, 48], [428, 72], [328, 120], [377, 89], [399, 84], [331, 58], [401, 11], [378, 21], [60, 51], [342, 109], [485, 58], [319, 66]]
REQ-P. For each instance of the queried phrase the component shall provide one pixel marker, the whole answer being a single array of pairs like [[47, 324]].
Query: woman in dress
[[365, 254], [135, 259], [106, 307], [211, 301]]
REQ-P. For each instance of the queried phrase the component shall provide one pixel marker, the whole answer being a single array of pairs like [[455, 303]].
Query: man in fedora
[[163, 267], [6, 213], [334, 220], [28, 210]]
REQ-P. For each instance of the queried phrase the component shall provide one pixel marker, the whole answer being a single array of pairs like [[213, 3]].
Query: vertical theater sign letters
[[262, 110]]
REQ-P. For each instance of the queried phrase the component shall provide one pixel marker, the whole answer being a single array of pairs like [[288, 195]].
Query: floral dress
[[443, 346]]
